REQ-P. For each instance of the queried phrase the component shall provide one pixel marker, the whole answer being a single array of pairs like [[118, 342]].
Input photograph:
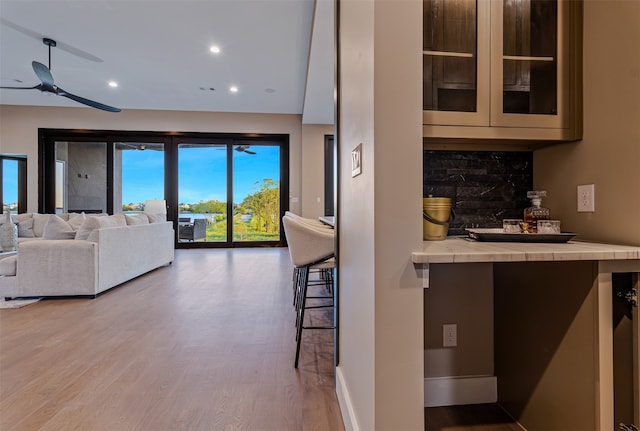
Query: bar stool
[[324, 273], [310, 248]]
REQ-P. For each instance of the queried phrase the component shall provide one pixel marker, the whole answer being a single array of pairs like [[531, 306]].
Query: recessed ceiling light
[[113, 84], [233, 89], [215, 49]]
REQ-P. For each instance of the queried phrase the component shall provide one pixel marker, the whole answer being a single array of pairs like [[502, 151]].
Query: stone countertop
[[466, 250]]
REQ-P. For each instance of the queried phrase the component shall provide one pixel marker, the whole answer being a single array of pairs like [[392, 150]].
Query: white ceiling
[[158, 52]]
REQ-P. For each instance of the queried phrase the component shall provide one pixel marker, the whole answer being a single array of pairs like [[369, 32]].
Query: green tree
[[264, 206], [210, 207]]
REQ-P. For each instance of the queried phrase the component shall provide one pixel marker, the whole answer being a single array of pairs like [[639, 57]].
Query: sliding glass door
[[202, 192], [220, 189], [80, 177], [229, 191], [256, 192], [138, 174]]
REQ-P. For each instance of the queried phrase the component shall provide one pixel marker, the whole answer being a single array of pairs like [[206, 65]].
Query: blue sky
[[9, 181], [201, 173]]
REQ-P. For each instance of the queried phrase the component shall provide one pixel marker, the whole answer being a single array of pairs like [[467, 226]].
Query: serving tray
[[497, 235]]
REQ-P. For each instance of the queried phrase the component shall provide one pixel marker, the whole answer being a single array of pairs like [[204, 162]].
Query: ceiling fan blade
[[35, 87], [93, 104], [44, 74], [249, 152], [63, 46]]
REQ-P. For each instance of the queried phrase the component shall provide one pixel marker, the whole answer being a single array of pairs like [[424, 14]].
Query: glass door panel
[[256, 192], [9, 171], [449, 55], [138, 175], [530, 56], [81, 177], [455, 60], [202, 192]]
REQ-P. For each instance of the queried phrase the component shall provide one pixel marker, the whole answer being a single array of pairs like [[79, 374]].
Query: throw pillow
[[156, 218], [116, 220], [56, 228], [24, 216], [137, 219], [25, 228], [8, 265], [76, 220], [113, 221], [39, 222], [88, 225]]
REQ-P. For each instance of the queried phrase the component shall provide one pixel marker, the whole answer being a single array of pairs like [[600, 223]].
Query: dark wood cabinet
[[506, 69]]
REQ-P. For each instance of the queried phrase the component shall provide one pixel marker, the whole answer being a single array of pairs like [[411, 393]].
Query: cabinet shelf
[[449, 54]]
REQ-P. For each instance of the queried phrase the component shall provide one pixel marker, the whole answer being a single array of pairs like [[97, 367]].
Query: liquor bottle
[[535, 212]]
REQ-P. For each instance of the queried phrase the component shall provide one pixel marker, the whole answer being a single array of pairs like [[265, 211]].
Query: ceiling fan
[[244, 149], [47, 85]]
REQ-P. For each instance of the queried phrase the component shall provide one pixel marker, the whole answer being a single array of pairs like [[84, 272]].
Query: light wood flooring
[[206, 343]]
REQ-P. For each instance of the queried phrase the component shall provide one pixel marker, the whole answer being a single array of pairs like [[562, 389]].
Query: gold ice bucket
[[436, 215]]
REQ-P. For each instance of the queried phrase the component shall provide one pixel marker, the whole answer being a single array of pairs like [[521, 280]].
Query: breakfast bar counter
[[552, 311], [462, 249]]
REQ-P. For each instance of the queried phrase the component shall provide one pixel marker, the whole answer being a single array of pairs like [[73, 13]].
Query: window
[[13, 193]]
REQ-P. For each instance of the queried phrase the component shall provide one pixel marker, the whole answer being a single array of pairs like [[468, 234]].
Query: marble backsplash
[[485, 186]]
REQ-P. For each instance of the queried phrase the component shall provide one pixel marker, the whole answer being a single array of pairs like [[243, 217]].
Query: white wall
[[609, 154], [380, 377], [19, 132], [313, 168]]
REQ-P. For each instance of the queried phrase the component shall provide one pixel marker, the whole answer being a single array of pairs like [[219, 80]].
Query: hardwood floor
[[207, 343]]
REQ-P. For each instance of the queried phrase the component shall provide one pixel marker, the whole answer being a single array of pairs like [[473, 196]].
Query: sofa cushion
[[56, 228], [76, 220], [137, 219], [25, 228], [8, 265], [39, 222]]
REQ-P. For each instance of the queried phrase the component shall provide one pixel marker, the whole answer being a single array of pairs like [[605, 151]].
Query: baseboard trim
[[452, 391], [344, 400]]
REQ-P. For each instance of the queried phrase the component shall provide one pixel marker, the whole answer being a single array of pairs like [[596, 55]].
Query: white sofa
[[85, 267]]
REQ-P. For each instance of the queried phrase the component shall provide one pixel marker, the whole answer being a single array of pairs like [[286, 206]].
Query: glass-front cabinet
[[456, 62], [506, 69]]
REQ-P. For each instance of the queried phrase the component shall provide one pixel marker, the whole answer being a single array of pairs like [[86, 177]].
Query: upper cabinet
[[502, 69]]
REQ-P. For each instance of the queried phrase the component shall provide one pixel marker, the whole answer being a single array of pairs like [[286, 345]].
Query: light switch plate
[[586, 198]]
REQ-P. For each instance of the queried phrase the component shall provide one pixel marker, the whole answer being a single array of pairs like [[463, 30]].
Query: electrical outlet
[[450, 335], [586, 198]]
